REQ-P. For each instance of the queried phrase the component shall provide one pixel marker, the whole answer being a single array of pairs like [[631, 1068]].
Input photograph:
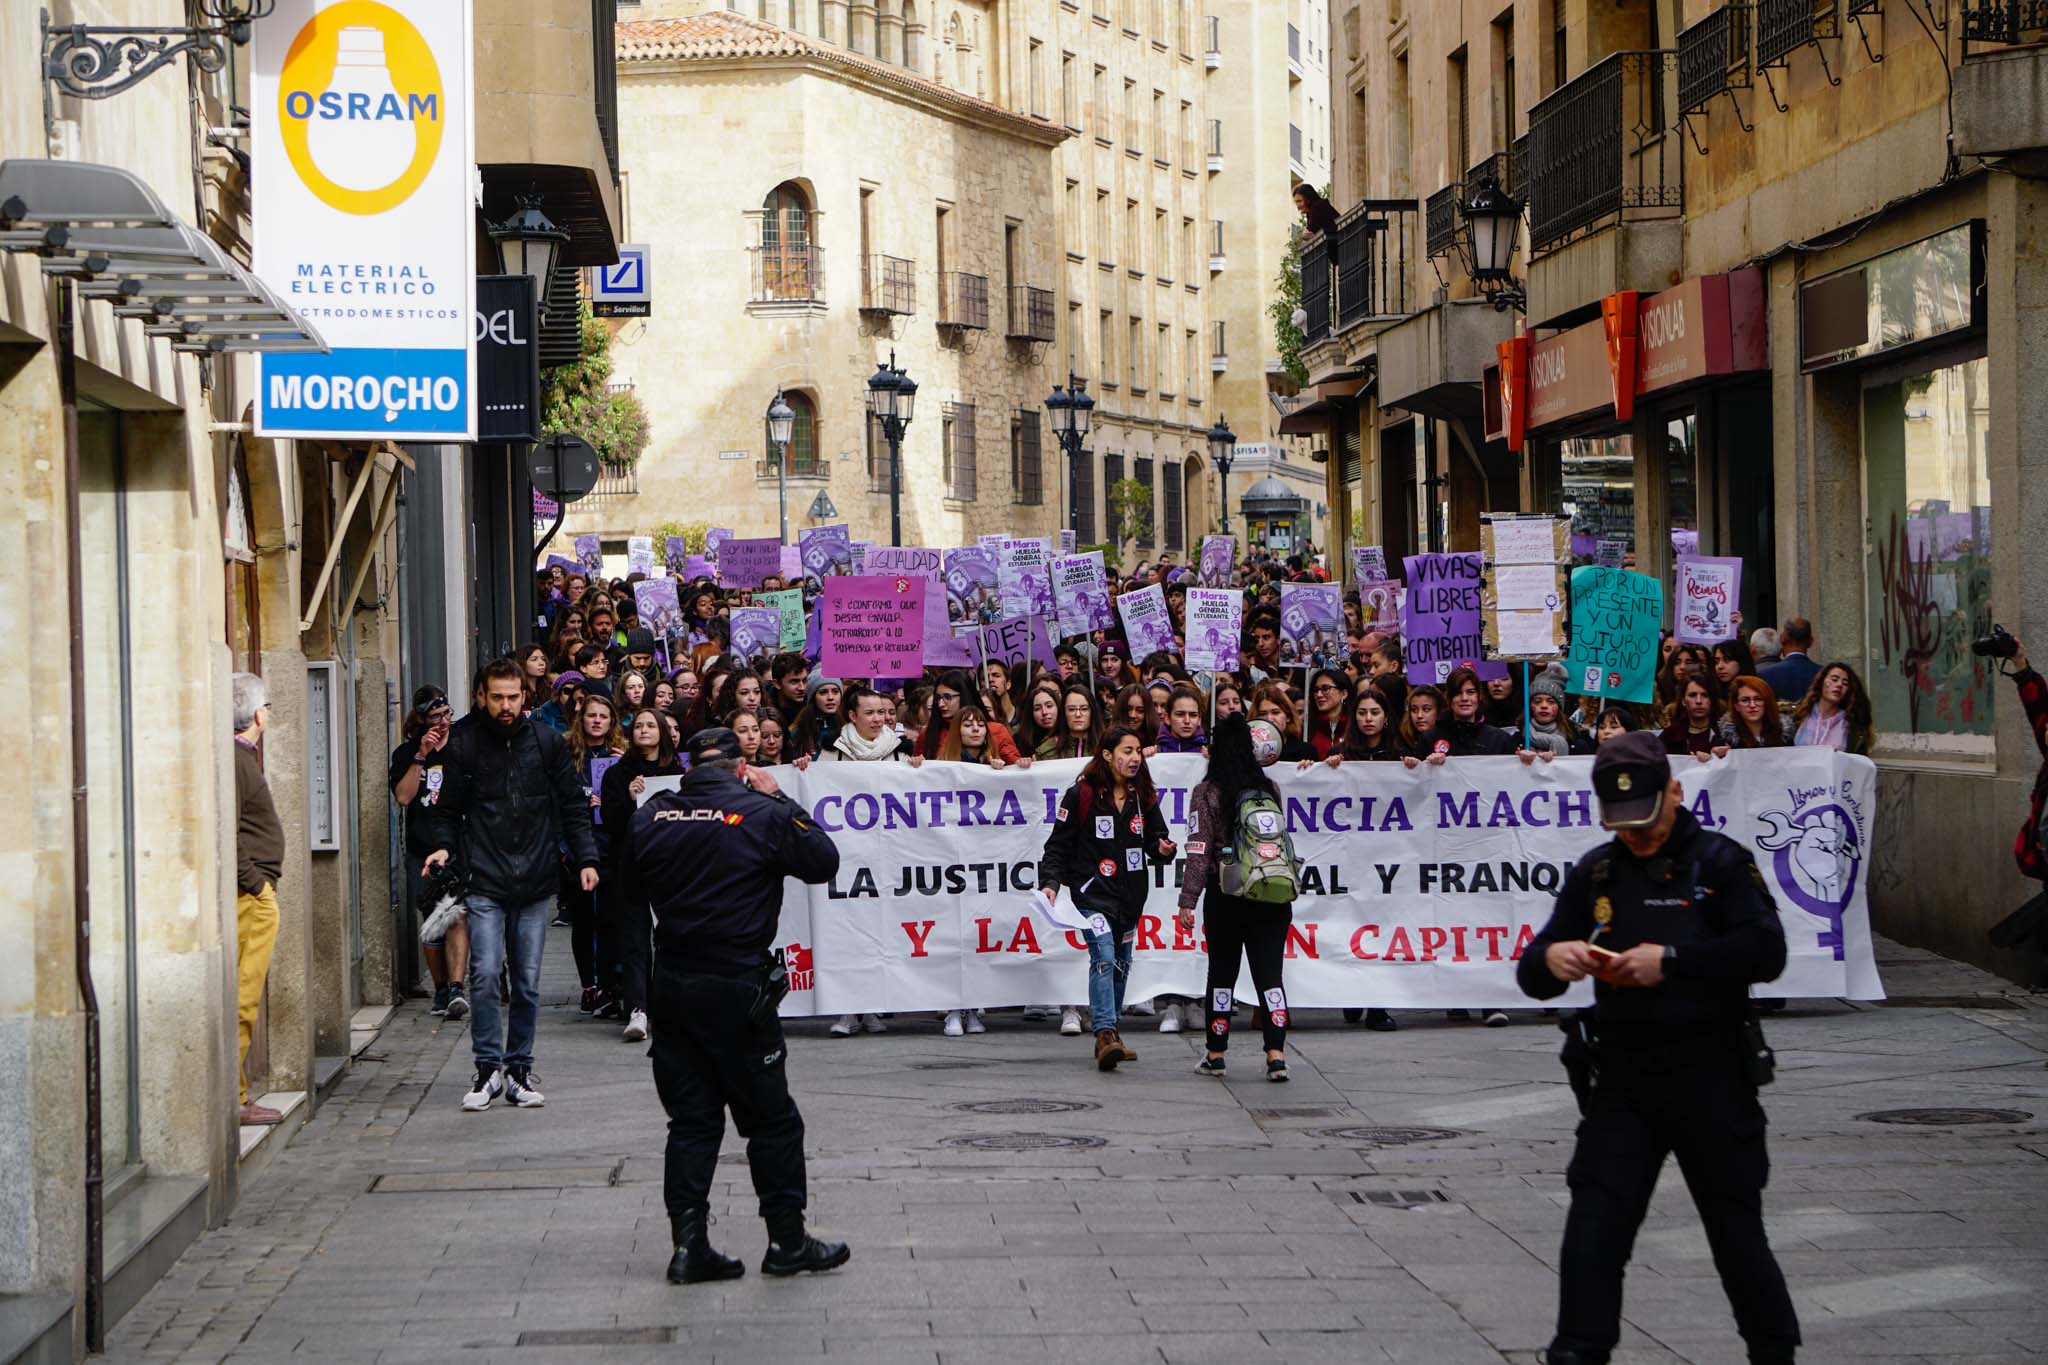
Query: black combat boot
[[696, 1260], [792, 1251]]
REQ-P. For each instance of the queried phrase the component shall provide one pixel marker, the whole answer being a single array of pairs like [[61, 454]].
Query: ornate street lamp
[[781, 422], [1222, 449], [892, 398], [1493, 222], [1072, 411], [529, 244]]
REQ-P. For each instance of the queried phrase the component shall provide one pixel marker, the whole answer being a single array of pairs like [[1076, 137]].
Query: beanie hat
[[1547, 686]]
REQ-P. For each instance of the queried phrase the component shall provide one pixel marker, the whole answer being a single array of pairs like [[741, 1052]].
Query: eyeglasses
[[1326, 687]]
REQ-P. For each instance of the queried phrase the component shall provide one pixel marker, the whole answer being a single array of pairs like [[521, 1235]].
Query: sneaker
[[1380, 1021], [1276, 1069], [1169, 1019], [844, 1026], [1193, 1016], [520, 1091], [1037, 1013], [591, 997], [1496, 1018], [1210, 1066], [440, 1000], [558, 923], [974, 1024], [635, 1030], [872, 1023], [458, 1004], [1070, 1022], [1144, 1009], [490, 1083], [609, 1006], [953, 1028]]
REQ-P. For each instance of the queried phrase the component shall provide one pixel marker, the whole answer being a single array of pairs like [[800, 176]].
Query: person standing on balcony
[[1318, 215]]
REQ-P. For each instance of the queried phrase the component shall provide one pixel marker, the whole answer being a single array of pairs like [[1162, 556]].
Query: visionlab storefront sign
[[363, 216]]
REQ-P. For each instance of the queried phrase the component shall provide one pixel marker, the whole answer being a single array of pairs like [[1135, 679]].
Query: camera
[[1997, 645]]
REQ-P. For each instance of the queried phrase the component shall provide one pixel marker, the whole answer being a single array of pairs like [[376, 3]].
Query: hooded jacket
[[509, 800]]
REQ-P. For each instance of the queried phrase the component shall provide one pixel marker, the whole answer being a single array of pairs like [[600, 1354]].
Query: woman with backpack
[[1236, 832], [1109, 824]]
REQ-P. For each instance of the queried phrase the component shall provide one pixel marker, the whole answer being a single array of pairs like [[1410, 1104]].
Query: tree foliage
[[1130, 502], [692, 533], [1287, 338], [578, 398]]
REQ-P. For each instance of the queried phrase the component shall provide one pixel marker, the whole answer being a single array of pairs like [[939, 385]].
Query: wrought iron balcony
[[1440, 220], [1713, 58], [788, 274], [1318, 288], [1031, 316], [888, 284], [2006, 23], [1605, 146], [1785, 26], [1375, 242], [963, 300]]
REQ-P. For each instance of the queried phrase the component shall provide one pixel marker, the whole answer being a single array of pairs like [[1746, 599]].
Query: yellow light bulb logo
[[360, 107]]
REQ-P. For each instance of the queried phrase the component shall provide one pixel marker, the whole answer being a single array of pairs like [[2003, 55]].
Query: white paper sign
[[1704, 602]]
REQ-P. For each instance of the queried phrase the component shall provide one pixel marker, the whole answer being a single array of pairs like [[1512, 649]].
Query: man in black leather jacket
[[509, 801], [708, 860]]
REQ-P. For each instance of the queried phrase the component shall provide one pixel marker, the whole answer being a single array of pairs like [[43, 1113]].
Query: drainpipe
[[81, 885]]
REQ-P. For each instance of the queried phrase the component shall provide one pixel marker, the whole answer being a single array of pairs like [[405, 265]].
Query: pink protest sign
[[872, 627]]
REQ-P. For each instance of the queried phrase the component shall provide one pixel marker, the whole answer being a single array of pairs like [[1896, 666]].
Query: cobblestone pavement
[[1153, 1215]]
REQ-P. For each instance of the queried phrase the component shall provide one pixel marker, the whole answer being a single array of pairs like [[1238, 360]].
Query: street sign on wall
[[625, 290], [363, 218]]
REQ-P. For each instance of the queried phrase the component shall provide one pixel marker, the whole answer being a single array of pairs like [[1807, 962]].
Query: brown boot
[[1122, 1046], [1109, 1049]]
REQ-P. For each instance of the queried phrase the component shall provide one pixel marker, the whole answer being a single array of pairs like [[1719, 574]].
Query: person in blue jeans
[[510, 801], [1107, 828]]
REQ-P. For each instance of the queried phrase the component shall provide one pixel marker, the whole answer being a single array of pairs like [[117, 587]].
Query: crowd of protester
[[627, 704]]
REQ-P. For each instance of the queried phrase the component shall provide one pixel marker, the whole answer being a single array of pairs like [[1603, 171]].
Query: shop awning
[[106, 230], [1309, 412]]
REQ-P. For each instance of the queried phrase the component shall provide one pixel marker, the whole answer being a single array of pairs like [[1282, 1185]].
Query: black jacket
[[1088, 835], [1476, 738], [1720, 919], [616, 806], [708, 861], [509, 801]]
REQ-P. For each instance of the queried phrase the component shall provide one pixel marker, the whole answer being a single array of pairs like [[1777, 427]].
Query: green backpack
[[1259, 864]]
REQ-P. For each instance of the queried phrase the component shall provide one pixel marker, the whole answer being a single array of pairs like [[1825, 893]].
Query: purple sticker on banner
[[1147, 624], [747, 563], [1440, 622], [872, 627]]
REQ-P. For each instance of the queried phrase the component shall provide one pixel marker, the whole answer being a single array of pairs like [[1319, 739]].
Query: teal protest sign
[[1616, 616]]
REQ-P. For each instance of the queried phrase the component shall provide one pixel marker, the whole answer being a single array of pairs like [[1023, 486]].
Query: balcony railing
[[1369, 264], [1317, 289], [1294, 144], [963, 300], [1605, 145], [1212, 46], [1440, 220], [800, 467], [788, 274], [888, 284], [1713, 58], [1030, 313], [1785, 26], [614, 481], [2006, 23], [1216, 252], [1294, 44]]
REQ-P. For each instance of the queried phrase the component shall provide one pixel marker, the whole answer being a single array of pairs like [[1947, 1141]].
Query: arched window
[[913, 37], [789, 265], [802, 456]]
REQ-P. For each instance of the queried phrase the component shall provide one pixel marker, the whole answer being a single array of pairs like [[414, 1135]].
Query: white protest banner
[[363, 146], [914, 560], [639, 555], [1368, 564], [1080, 584], [1024, 577], [1066, 542], [1419, 889], [1704, 606], [1148, 626], [1215, 626]]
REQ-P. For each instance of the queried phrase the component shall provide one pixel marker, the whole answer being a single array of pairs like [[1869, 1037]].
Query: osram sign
[[363, 220]]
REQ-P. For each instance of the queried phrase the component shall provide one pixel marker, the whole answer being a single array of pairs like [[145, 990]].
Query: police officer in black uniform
[[708, 860], [1674, 923]]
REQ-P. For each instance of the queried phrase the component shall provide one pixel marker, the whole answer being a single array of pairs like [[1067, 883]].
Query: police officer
[[708, 861], [1674, 923]]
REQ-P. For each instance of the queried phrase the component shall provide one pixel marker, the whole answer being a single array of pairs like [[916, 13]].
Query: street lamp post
[[1493, 219], [892, 395], [1072, 411], [1222, 449], [529, 244], [781, 422]]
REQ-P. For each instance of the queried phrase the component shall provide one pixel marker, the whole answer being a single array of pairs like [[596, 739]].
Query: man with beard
[[510, 797]]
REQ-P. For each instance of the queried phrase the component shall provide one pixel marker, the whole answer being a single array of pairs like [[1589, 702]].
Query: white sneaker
[[1144, 1009], [1169, 1019], [843, 1026], [953, 1028], [873, 1023], [489, 1085], [520, 1091], [636, 1027], [1070, 1022], [974, 1024], [1496, 1018]]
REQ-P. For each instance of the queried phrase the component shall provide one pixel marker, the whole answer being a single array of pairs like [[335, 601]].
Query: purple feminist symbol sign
[[1311, 622], [1817, 846]]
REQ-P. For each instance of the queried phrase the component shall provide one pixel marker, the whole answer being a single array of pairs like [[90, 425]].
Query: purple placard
[[1611, 552], [825, 552], [1379, 605], [714, 538], [1147, 624], [675, 553], [1018, 640], [1584, 547], [753, 630], [872, 627], [971, 585], [1023, 577], [1219, 557], [747, 563], [942, 648], [1066, 545], [695, 567], [565, 564], [1684, 541], [1705, 600], [1215, 627], [1440, 621], [600, 764], [1081, 587], [1368, 564], [660, 609], [1311, 623], [590, 554]]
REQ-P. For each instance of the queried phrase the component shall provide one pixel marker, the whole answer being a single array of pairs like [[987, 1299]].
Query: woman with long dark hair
[[624, 931], [594, 744], [1108, 826], [1080, 725], [1235, 928], [1422, 736]]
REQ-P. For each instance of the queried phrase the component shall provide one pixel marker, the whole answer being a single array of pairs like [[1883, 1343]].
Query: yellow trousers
[[255, 936]]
